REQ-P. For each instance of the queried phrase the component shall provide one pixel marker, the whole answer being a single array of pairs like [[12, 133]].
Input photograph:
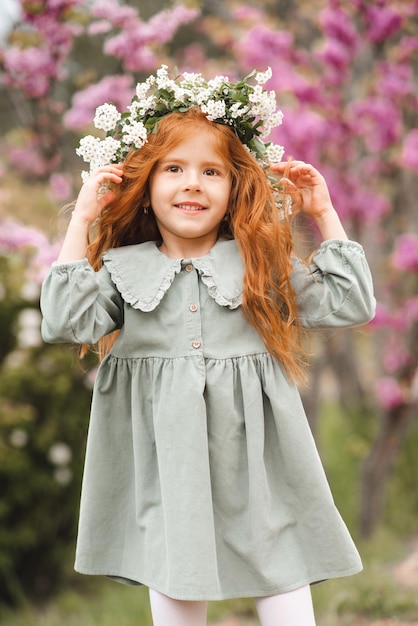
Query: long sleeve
[[79, 305], [337, 289]]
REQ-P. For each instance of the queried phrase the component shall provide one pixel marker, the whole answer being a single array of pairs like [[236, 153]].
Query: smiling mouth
[[190, 207]]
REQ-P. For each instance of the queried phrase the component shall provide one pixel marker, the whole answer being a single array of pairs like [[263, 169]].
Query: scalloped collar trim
[[143, 274]]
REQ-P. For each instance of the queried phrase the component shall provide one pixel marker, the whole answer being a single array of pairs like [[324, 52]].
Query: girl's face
[[189, 193]]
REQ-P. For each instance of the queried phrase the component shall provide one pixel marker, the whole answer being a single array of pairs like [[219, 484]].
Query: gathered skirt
[[202, 481]]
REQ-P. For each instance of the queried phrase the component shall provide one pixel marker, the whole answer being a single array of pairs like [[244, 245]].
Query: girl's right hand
[[90, 203]]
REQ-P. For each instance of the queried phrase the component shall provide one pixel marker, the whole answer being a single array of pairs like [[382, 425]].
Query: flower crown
[[249, 110]]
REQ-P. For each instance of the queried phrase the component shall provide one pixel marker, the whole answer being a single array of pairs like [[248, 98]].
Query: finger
[[287, 186], [300, 166], [100, 178], [106, 199], [293, 168], [109, 166], [107, 171]]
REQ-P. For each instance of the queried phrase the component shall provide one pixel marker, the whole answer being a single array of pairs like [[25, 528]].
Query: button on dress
[[202, 479]]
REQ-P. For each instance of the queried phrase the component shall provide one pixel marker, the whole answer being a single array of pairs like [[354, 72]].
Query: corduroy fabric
[[202, 479]]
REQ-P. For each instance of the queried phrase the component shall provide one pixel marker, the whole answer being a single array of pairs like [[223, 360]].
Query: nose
[[191, 180]]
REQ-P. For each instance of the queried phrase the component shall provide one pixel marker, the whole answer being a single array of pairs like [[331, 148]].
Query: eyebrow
[[181, 161]]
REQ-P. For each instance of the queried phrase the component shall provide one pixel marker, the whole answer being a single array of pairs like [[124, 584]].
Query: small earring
[[145, 209]]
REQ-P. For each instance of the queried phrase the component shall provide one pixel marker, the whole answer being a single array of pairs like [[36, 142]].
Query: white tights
[[286, 609], [169, 612]]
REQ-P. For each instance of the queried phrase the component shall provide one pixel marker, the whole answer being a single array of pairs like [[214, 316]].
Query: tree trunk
[[337, 358], [379, 464]]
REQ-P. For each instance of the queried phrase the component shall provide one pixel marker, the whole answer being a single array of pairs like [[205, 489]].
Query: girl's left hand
[[313, 191]]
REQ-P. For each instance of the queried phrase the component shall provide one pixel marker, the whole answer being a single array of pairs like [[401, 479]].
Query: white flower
[[233, 103], [141, 90], [142, 106], [257, 94], [196, 80], [106, 149], [88, 147], [263, 77], [181, 94], [163, 80], [106, 117], [271, 122], [18, 438], [237, 109], [274, 153], [60, 453], [203, 95], [100, 153], [29, 290], [63, 476], [275, 119], [214, 109], [134, 133], [29, 324], [217, 82], [263, 103]]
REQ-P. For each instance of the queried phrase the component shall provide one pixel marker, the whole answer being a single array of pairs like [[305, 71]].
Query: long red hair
[[264, 239]]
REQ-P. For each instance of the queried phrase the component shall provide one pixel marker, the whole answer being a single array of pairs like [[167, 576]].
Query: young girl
[[202, 480]]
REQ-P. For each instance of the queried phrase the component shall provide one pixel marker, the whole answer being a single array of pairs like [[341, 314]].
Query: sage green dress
[[202, 479]]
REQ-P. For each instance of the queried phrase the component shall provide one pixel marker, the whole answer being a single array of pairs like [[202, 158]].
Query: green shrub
[[44, 406]]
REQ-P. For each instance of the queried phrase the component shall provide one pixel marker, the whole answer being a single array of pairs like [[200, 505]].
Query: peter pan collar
[[143, 275]]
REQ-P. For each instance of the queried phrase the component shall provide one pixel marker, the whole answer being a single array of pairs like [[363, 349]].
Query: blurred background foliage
[[45, 398], [345, 74]]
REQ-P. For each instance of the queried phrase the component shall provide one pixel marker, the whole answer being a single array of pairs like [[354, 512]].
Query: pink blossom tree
[[39, 75]]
